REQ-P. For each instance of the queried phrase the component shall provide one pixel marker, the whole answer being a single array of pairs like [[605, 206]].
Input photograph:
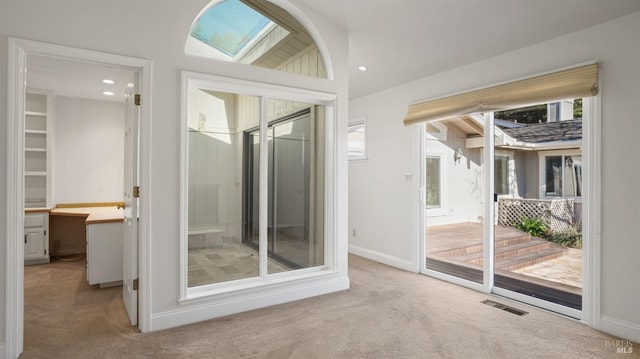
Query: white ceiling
[[398, 40], [404, 40], [76, 79]]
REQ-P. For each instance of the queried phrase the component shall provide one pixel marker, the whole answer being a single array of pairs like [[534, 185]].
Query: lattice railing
[[557, 213]]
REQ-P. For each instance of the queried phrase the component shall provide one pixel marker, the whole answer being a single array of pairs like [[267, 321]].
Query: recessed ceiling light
[[362, 68], [108, 93], [108, 81]]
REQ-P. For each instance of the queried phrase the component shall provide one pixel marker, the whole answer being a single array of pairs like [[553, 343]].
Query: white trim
[[543, 304], [242, 302], [18, 50], [621, 328], [254, 88], [14, 281], [384, 258], [358, 121], [592, 212], [489, 211], [419, 250]]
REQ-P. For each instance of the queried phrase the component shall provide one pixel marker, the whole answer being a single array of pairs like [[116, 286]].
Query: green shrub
[[570, 238], [534, 226]]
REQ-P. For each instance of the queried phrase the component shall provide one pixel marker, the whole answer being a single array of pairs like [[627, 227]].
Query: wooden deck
[[457, 249]]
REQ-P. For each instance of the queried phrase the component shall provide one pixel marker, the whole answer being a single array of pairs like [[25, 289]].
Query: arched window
[[255, 32]]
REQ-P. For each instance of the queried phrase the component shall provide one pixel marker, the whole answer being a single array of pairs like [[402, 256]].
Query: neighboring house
[[540, 161]]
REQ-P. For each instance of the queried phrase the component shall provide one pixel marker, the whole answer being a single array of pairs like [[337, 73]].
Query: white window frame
[[511, 174], [442, 210], [441, 135], [542, 156], [359, 121], [264, 280]]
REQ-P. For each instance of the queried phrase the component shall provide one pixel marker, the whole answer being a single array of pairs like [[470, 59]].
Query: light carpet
[[387, 313]]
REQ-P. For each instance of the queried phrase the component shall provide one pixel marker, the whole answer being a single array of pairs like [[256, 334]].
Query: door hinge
[[25, 238], [136, 191], [45, 232], [136, 99], [135, 284], [45, 252]]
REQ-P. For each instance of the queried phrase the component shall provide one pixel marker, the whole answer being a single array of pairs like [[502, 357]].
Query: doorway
[[487, 190], [20, 52]]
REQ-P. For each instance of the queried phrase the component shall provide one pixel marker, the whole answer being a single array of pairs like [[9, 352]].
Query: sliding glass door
[[292, 239], [503, 204], [538, 199], [454, 199]]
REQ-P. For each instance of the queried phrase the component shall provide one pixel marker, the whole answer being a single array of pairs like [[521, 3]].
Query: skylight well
[[256, 33], [230, 27]]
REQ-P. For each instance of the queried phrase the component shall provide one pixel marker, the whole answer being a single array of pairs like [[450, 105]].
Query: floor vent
[[504, 307]]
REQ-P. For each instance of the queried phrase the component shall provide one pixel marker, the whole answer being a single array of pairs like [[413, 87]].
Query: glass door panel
[[537, 210], [454, 199], [295, 210], [217, 146]]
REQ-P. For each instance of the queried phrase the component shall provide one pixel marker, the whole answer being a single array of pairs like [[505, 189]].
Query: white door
[[130, 235]]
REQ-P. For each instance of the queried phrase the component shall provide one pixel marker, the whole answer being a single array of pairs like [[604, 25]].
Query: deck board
[[445, 247]]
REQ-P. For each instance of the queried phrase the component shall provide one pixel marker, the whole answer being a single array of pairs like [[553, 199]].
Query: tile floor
[[229, 261]]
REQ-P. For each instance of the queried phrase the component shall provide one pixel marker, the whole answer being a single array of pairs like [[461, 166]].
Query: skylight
[[229, 26]]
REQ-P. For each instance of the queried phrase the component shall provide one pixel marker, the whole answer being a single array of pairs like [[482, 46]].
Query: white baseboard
[[68, 252], [399, 263], [241, 302], [620, 328]]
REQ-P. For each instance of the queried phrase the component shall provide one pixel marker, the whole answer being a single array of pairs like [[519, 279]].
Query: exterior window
[[357, 140], [434, 197], [563, 176], [436, 131], [501, 185]]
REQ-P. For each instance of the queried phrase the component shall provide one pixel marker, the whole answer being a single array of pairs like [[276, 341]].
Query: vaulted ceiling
[[404, 40]]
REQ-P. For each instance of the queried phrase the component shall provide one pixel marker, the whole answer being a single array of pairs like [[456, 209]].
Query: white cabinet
[[36, 238], [37, 149], [104, 253]]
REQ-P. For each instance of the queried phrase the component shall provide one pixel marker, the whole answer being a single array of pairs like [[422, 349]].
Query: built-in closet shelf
[[34, 113], [38, 119]]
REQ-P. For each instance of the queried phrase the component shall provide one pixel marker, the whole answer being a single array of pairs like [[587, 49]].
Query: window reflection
[[224, 186]]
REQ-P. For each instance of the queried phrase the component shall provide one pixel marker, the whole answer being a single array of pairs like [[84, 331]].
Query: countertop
[[93, 214]]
